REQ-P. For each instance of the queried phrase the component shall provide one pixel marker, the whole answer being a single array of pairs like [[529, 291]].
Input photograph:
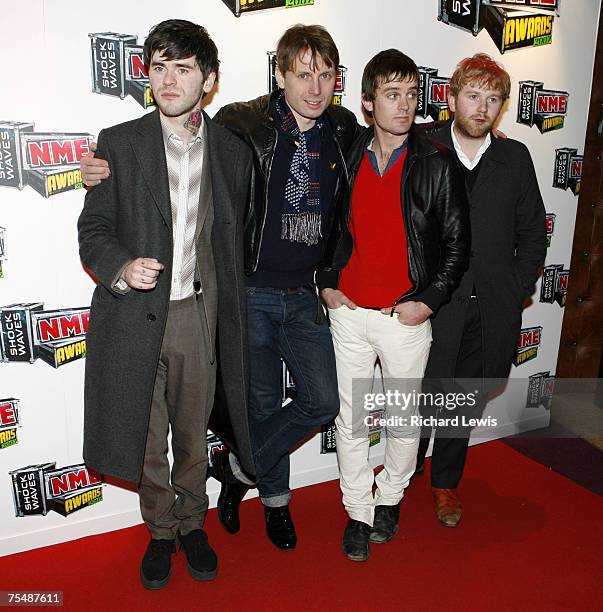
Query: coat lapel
[[223, 159], [205, 190], [150, 152], [490, 163]]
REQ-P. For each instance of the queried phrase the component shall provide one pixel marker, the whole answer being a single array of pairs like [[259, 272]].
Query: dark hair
[[389, 65], [300, 38], [178, 39]]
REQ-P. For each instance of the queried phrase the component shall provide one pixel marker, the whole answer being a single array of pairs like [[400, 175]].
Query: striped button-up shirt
[[184, 166]]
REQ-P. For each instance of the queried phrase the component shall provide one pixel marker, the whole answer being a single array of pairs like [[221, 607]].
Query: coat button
[[151, 317]]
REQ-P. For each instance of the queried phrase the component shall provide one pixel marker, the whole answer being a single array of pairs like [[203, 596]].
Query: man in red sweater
[[398, 251]]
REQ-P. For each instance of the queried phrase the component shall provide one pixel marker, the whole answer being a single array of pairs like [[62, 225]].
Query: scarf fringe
[[304, 227]]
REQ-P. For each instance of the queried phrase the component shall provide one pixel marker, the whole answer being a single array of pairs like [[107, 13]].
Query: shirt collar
[[369, 146], [469, 163]]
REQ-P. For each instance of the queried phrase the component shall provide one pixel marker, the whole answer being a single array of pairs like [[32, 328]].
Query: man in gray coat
[[163, 236]]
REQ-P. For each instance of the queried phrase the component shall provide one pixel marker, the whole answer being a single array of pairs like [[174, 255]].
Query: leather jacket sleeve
[[452, 212]]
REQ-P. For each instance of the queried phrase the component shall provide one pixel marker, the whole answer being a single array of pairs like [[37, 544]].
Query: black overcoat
[[127, 216], [508, 248]]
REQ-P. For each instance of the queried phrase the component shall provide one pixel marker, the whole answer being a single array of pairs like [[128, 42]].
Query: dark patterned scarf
[[301, 217]]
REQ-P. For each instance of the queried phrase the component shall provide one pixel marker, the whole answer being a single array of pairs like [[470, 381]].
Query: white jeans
[[359, 337]]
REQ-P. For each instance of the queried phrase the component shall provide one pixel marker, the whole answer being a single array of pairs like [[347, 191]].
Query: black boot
[[280, 528], [231, 493], [156, 566], [385, 525], [356, 540], [202, 560]]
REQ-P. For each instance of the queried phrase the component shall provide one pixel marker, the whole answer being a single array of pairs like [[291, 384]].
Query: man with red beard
[[474, 335]]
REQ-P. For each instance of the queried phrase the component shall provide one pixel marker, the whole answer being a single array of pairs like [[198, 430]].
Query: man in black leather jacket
[[399, 248], [298, 140]]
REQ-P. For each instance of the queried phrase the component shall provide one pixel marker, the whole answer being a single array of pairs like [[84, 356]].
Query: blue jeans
[[284, 324]]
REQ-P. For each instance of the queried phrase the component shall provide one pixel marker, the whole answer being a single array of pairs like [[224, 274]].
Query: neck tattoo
[[193, 123]]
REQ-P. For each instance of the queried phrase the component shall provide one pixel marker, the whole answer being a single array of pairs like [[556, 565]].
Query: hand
[[93, 169], [334, 298], [410, 313], [498, 133], [142, 273]]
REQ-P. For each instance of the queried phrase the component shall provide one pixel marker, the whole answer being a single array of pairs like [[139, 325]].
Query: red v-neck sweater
[[377, 273]]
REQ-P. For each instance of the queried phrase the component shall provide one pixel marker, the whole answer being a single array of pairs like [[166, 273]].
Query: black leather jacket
[[436, 218], [253, 123]]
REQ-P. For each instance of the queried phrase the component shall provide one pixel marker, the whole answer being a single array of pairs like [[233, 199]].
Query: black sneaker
[[385, 525], [280, 527], [156, 566], [202, 560], [356, 540]]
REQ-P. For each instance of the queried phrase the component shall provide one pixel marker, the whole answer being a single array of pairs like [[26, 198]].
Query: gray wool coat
[[127, 216]]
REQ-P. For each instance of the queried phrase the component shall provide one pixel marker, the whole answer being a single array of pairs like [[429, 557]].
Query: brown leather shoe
[[448, 506]]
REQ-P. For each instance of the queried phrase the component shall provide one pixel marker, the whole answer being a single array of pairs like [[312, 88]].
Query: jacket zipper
[[257, 259]]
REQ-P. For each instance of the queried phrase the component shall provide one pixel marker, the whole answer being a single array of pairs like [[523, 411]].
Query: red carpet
[[530, 539]]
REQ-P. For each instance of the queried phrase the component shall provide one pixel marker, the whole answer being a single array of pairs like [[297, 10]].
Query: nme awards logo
[[568, 170], [545, 108], [433, 95], [340, 79], [509, 28], [55, 336], [37, 489], [554, 284], [118, 67], [238, 7], [46, 161], [550, 227], [527, 345], [540, 390], [9, 421]]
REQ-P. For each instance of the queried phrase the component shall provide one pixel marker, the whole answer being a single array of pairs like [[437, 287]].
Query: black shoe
[[280, 528], [202, 560], [231, 493], [356, 540], [385, 525], [156, 566]]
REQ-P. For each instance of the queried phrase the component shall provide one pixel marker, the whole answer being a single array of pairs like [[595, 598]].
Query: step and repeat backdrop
[[71, 70]]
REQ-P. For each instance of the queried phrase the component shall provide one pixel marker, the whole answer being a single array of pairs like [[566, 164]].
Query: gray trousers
[[175, 500]]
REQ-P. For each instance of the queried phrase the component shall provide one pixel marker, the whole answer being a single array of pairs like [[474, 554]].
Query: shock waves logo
[[433, 95], [46, 161], [509, 28], [37, 489], [527, 345], [540, 390], [238, 7], [9, 421], [118, 67], [568, 170], [545, 108], [55, 336], [340, 78], [554, 284]]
